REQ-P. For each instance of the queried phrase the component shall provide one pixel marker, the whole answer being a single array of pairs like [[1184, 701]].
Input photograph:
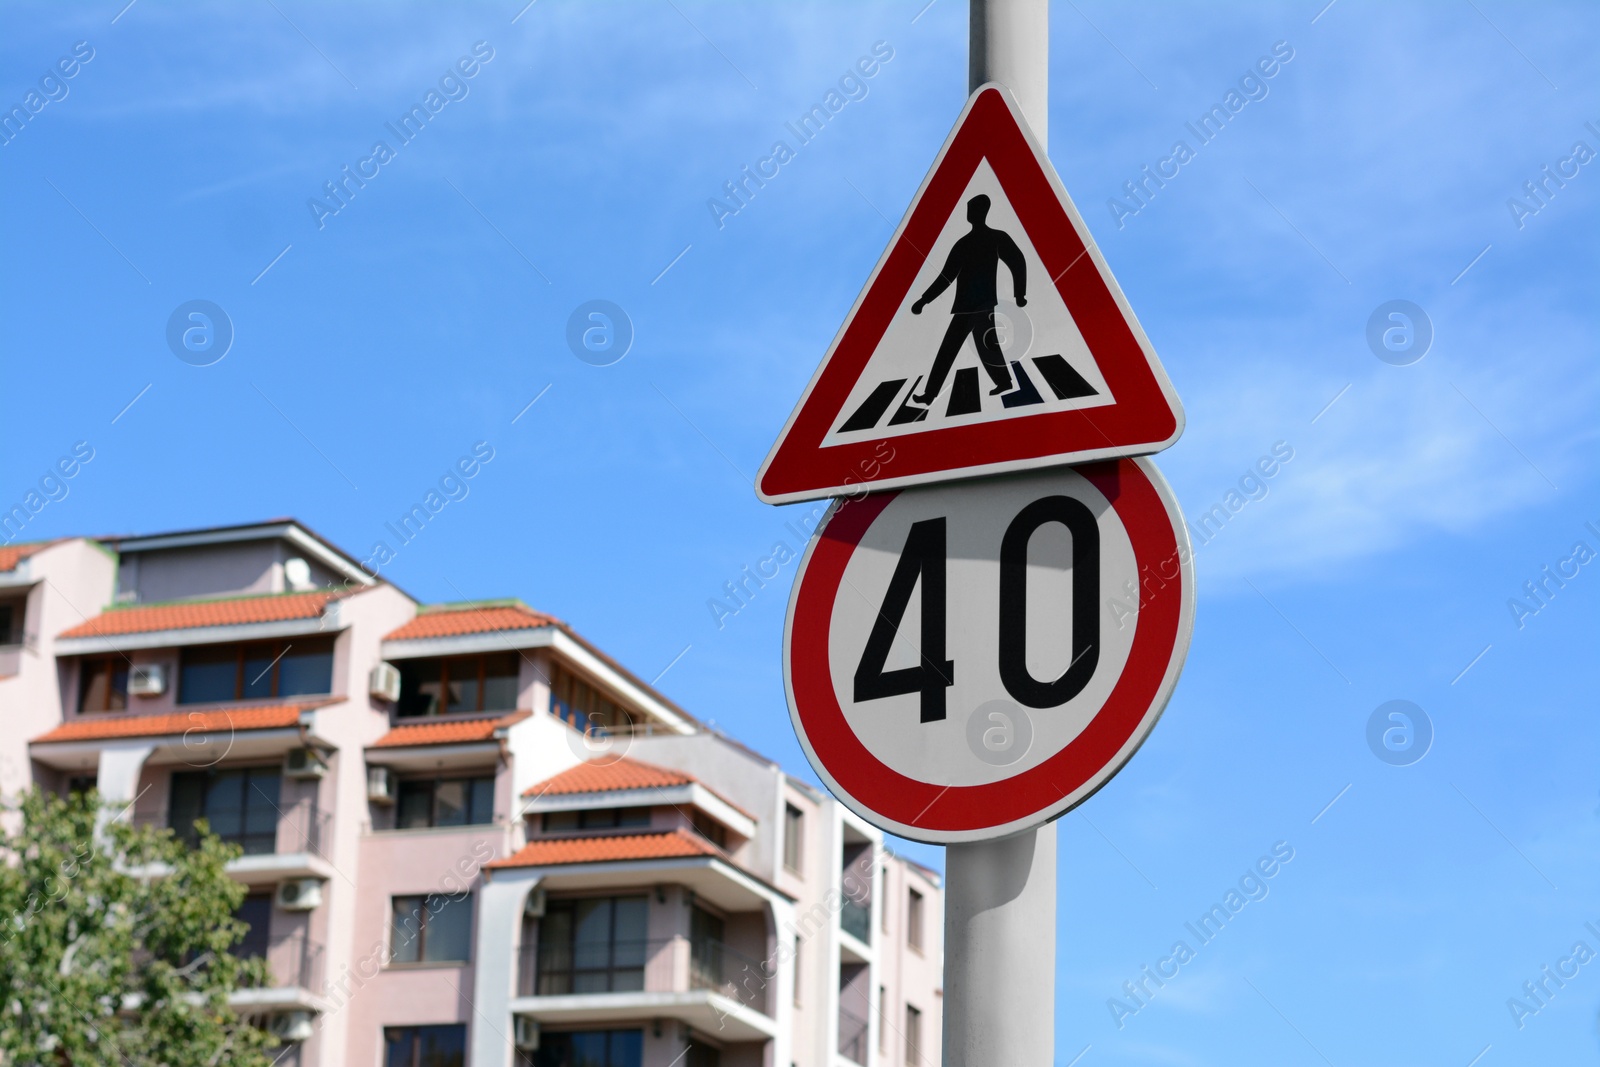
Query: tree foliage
[[115, 944]]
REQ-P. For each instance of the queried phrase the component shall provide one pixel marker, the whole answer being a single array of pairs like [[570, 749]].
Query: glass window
[[462, 687], [595, 819], [593, 946], [103, 684], [305, 669], [431, 929], [458, 685], [914, 919], [709, 828], [500, 682], [425, 1046], [259, 663], [256, 910], [428, 802], [240, 805], [419, 687], [209, 674], [583, 706], [701, 1054], [794, 831], [11, 612], [590, 1048], [913, 1035]]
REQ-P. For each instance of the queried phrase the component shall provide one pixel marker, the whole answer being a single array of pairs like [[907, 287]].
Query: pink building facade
[[469, 836]]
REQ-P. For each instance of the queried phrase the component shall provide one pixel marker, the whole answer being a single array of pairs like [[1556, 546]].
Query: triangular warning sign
[[990, 337]]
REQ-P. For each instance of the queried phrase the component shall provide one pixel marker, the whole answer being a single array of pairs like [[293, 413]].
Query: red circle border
[[959, 809]]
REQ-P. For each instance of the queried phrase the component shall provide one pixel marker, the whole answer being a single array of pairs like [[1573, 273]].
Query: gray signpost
[[983, 638]]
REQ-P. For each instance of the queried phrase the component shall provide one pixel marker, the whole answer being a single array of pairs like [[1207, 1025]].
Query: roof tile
[[606, 776], [186, 615], [11, 555], [212, 720], [557, 851], [447, 732], [455, 622]]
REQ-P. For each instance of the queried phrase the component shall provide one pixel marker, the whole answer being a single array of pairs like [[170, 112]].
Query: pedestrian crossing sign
[[990, 337]]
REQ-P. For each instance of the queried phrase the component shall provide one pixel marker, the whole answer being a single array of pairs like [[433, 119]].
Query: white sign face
[[990, 338], [1043, 362], [966, 660]]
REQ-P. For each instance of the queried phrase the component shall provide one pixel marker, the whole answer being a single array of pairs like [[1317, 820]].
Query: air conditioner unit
[[384, 682], [148, 680], [525, 1034], [303, 763], [292, 1026], [300, 894], [380, 785], [533, 907]]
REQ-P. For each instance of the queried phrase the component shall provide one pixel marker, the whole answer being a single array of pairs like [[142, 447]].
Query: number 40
[[924, 559]]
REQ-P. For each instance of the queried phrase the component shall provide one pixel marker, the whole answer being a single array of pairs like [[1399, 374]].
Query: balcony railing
[[856, 920], [660, 965], [852, 1037], [299, 829], [293, 961]]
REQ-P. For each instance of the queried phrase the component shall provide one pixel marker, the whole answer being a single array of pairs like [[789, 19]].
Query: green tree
[[115, 945]]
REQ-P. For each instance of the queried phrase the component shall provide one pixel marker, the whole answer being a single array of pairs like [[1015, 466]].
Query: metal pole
[[1009, 43], [1000, 896]]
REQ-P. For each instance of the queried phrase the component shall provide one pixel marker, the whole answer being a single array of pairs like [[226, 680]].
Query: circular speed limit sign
[[967, 660]]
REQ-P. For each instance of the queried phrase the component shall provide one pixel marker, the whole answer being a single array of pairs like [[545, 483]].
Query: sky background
[[428, 312]]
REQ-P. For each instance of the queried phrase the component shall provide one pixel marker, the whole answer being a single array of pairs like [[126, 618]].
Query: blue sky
[[431, 309]]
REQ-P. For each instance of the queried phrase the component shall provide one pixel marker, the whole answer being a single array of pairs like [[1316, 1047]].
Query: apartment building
[[470, 837]]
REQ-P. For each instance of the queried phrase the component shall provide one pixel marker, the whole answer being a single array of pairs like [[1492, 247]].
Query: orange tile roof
[[185, 615], [212, 720], [455, 622], [555, 851], [448, 732], [602, 776], [11, 555]]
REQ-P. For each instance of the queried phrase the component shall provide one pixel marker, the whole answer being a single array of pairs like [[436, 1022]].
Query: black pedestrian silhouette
[[974, 267]]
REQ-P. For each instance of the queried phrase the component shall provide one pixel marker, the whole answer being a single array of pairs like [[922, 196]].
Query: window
[[913, 1035], [699, 1054], [433, 929], [914, 919], [709, 828], [425, 1046], [585, 707], [241, 806], [794, 830], [590, 1048], [103, 684], [444, 802], [797, 971], [11, 612], [883, 891], [883, 1028], [256, 910], [210, 674], [458, 685], [560, 822], [593, 946], [707, 961]]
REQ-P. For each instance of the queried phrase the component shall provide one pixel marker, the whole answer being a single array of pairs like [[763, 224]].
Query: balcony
[[294, 974], [852, 1037], [289, 845], [697, 980]]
